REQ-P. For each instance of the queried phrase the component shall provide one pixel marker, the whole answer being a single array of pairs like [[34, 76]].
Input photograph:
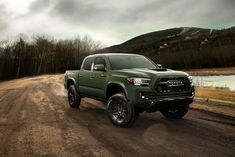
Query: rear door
[[85, 77]]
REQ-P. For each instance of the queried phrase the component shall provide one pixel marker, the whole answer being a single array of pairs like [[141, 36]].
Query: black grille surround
[[172, 85]]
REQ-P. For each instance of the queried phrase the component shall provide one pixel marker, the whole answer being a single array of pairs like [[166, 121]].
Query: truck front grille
[[172, 85]]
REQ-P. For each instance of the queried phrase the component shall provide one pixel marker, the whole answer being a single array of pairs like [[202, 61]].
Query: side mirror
[[159, 65], [99, 67]]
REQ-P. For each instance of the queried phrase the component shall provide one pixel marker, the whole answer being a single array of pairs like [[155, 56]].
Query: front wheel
[[175, 112], [73, 97], [120, 112]]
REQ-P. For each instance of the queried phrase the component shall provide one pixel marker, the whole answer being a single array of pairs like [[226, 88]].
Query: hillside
[[185, 47]]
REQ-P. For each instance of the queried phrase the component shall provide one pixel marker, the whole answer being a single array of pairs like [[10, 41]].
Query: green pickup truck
[[130, 84]]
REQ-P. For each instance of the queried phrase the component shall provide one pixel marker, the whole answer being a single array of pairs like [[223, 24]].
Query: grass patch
[[215, 93]]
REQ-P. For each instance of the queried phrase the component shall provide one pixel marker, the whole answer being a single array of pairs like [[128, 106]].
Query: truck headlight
[[139, 81], [190, 78]]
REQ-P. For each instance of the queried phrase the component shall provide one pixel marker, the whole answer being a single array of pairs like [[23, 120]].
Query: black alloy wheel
[[73, 97], [120, 112]]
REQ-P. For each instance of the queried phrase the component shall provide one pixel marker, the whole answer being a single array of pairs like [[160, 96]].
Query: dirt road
[[36, 120]]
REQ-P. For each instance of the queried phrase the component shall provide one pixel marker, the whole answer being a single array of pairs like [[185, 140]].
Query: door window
[[87, 64], [100, 60]]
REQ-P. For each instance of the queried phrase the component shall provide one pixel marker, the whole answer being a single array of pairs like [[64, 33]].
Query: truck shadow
[[95, 116], [149, 133]]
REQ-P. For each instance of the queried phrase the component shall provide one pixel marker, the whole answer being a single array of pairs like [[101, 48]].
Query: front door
[[99, 80]]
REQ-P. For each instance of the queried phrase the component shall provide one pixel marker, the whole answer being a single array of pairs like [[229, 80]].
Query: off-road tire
[[175, 113], [120, 112], [73, 97]]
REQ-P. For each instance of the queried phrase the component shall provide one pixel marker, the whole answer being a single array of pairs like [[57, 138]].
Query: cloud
[[3, 19], [125, 19], [101, 14], [39, 5], [115, 21]]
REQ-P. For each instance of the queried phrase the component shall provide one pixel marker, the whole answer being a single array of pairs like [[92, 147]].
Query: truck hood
[[150, 73]]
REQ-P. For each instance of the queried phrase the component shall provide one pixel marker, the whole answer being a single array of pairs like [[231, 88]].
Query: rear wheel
[[73, 97], [120, 112], [175, 112]]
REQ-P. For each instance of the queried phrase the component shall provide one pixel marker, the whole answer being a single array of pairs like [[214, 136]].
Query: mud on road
[[36, 120]]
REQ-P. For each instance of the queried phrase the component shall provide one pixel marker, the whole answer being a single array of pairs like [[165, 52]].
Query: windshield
[[130, 61]]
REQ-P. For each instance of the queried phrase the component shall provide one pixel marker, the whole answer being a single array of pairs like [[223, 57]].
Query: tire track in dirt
[[79, 134], [12, 120]]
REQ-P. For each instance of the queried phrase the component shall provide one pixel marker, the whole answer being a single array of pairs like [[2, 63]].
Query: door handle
[[102, 75], [80, 75], [92, 77]]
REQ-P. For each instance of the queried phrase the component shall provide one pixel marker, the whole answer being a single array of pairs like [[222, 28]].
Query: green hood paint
[[149, 73]]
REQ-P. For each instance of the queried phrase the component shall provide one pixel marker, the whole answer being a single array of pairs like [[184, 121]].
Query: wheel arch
[[114, 88], [71, 81]]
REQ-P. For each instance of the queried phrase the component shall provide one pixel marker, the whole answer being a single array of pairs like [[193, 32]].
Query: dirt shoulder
[[223, 109], [215, 100]]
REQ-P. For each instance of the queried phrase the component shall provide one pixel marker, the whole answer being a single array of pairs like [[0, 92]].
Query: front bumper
[[172, 102], [149, 100]]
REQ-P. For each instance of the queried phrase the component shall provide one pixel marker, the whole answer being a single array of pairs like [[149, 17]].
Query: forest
[[43, 55]]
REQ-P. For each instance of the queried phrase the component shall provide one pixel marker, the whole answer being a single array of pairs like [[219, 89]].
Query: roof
[[112, 54]]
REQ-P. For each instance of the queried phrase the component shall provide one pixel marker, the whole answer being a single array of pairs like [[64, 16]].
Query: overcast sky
[[110, 21]]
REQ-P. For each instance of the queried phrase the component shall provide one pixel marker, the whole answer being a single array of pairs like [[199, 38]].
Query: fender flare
[[119, 84], [74, 82]]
